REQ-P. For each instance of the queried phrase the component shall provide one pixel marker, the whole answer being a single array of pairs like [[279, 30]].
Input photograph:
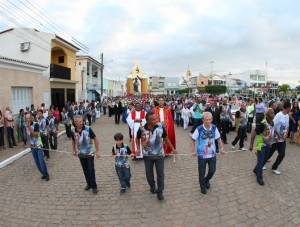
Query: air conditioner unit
[[24, 46]]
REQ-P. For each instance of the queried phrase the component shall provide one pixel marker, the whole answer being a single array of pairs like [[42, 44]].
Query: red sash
[[142, 115]]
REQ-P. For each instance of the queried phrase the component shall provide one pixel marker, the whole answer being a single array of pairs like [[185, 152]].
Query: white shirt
[[161, 114]]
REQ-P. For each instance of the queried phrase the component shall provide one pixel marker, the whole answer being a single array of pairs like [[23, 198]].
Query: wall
[[71, 59], [40, 54], [17, 78]]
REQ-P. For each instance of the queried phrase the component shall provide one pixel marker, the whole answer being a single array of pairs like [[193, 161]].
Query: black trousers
[[68, 130], [224, 128], [249, 124], [280, 146], [87, 165], [53, 140], [89, 117], [240, 137], [45, 145], [117, 118]]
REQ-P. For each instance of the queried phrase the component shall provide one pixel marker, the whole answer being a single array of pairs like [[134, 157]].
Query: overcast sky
[[167, 36]]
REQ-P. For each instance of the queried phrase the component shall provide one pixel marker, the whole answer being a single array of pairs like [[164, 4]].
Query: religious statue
[[136, 84]]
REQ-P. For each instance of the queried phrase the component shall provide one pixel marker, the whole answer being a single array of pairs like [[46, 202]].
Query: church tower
[[188, 74]]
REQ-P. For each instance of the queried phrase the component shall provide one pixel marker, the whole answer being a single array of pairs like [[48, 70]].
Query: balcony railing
[[60, 72], [95, 80]]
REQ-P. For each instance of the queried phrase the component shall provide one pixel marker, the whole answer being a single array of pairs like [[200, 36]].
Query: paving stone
[[234, 199]]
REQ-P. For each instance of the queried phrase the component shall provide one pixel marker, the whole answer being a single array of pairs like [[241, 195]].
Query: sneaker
[[122, 191], [160, 196], [275, 171], [264, 168], [243, 149], [232, 146]]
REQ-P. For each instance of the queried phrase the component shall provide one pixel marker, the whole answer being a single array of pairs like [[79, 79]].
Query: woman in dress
[[294, 117]]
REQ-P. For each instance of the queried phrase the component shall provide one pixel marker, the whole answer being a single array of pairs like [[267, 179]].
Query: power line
[[45, 34], [44, 20], [66, 32]]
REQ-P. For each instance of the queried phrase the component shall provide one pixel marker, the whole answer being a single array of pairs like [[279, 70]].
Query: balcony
[[60, 72], [95, 80]]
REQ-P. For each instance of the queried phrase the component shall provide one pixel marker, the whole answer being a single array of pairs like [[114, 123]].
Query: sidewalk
[[10, 152]]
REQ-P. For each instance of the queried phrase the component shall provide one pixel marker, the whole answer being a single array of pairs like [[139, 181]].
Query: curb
[[21, 154]]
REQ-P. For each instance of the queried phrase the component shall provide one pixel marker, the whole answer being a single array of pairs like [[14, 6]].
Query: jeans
[[179, 122], [224, 128], [262, 158], [240, 137], [53, 140], [37, 154], [280, 146], [104, 110], [124, 176], [159, 166], [202, 167], [45, 145], [10, 136], [197, 122], [2, 136], [24, 135], [68, 130], [89, 171]]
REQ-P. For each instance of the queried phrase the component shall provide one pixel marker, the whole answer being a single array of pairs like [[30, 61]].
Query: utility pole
[[212, 73], [101, 76]]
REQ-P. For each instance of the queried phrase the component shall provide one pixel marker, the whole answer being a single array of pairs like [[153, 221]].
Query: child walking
[[121, 152]]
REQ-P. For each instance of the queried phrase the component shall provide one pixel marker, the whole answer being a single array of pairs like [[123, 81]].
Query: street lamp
[[102, 67], [212, 72]]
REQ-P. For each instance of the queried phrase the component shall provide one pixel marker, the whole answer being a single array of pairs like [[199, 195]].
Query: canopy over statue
[[137, 81]]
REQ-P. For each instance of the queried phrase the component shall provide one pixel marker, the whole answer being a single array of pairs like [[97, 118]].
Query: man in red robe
[[163, 115]]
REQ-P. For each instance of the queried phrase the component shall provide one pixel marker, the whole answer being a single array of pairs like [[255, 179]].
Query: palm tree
[[284, 88]]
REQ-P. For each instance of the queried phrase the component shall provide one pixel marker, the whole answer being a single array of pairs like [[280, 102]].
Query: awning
[[98, 91]]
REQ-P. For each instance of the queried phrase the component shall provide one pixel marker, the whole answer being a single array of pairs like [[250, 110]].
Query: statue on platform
[[136, 84]]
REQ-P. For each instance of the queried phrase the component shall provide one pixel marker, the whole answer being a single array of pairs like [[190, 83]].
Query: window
[[169, 84], [161, 84], [79, 63], [20, 97], [61, 59], [150, 83], [261, 78], [253, 77], [202, 82], [174, 84]]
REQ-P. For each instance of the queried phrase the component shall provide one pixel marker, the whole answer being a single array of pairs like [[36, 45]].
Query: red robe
[[168, 125]]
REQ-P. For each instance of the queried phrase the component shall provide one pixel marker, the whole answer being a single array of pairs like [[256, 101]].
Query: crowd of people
[[151, 129]]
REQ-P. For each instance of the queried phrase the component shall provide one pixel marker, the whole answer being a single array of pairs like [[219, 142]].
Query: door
[[58, 98], [71, 95]]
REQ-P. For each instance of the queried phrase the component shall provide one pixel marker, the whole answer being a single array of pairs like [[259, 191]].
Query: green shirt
[[250, 109]]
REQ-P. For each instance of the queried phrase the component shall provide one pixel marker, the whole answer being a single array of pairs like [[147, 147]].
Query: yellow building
[[62, 72], [137, 81]]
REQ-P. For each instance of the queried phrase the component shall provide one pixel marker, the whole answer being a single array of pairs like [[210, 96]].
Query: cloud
[[169, 35]]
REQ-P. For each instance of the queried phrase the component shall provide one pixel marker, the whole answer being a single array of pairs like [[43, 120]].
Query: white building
[[88, 72]]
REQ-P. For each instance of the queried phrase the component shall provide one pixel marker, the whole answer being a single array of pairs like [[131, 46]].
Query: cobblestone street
[[234, 199]]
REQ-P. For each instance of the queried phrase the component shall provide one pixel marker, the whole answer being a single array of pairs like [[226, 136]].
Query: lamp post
[[212, 73]]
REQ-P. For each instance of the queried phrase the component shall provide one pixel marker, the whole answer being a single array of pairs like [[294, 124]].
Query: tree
[[182, 91], [298, 88], [284, 88], [215, 89]]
